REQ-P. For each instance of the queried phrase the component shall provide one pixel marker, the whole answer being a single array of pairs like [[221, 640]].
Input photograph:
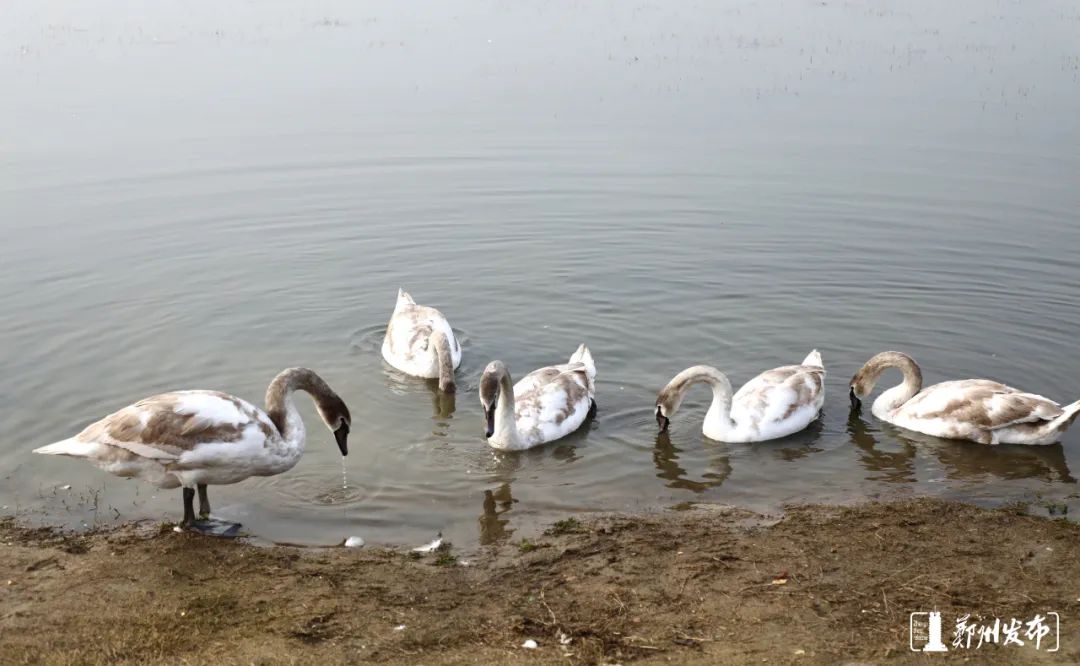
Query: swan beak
[[490, 414], [662, 420], [342, 436], [855, 402]]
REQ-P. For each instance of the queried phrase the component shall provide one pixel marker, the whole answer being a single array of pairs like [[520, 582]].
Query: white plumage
[[545, 405], [979, 410], [199, 438], [420, 342], [776, 403]]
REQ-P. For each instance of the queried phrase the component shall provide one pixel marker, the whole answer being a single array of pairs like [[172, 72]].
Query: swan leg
[[592, 409], [189, 508], [204, 524], [204, 502]]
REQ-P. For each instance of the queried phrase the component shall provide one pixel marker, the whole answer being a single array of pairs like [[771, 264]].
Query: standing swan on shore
[[776, 403], [197, 438], [420, 342], [547, 404], [979, 410]]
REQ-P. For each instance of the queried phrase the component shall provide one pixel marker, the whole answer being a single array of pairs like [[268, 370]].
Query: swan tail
[[814, 359], [69, 447], [1068, 415], [403, 299], [446, 361], [584, 357]]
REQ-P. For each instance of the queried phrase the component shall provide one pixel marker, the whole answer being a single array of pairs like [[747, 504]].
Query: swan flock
[[196, 438]]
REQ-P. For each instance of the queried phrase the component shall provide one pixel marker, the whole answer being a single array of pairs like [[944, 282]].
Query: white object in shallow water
[[530, 644], [354, 542], [545, 405], [420, 342], [979, 410], [776, 403], [429, 547], [196, 438]]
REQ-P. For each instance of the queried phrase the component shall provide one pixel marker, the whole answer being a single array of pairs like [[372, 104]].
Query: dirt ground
[[706, 585]]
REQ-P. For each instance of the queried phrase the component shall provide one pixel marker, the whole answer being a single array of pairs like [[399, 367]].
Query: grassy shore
[[708, 585]]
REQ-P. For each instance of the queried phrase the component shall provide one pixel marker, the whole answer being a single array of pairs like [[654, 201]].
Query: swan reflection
[[666, 459], [493, 526], [960, 459]]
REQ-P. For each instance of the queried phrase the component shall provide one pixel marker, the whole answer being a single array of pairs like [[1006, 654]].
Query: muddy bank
[[706, 585]]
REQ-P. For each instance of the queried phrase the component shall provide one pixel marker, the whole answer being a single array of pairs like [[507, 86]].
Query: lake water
[[197, 196]]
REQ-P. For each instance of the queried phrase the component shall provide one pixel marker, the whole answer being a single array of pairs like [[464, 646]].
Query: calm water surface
[[198, 196]]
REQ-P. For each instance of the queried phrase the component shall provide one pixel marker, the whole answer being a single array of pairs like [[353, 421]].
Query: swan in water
[[776, 403], [547, 404], [420, 342], [979, 410], [196, 438]]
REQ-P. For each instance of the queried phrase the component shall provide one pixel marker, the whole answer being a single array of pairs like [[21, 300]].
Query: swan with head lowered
[[192, 439], [420, 342], [545, 405], [776, 403], [979, 410]]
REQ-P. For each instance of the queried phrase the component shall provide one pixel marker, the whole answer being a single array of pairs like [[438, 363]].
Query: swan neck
[[446, 361], [281, 403], [720, 408], [905, 390], [505, 420]]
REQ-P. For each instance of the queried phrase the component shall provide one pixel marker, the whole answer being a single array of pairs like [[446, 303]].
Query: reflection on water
[[442, 404], [961, 460], [889, 466], [493, 526], [799, 445], [710, 185], [666, 459]]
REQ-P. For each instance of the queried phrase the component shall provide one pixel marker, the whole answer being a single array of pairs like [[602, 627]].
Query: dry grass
[[691, 587]]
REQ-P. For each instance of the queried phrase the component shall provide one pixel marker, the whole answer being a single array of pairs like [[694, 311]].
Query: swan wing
[[169, 426], [779, 395], [408, 335], [981, 403], [541, 376], [556, 406]]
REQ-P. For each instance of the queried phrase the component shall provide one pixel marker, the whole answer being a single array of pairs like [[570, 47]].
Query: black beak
[[490, 414], [342, 437], [662, 420], [855, 402]]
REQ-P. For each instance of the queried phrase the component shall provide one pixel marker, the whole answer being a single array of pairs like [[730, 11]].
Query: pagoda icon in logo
[[934, 643]]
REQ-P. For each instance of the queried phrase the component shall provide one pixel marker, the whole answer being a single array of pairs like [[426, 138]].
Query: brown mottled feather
[[982, 403]]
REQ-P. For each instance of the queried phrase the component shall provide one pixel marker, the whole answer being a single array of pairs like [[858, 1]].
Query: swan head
[[335, 413], [671, 397], [661, 420], [490, 389], [856, 401], [864, 381], [667, 403], [862, 384]]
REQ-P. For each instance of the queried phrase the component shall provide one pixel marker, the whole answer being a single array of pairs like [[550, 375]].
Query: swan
[[420, 342], [776, 403], [979, 410], [547, 404], [191, 439]]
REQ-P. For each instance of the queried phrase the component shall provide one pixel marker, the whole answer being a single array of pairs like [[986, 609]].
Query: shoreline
[[711, 584]]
